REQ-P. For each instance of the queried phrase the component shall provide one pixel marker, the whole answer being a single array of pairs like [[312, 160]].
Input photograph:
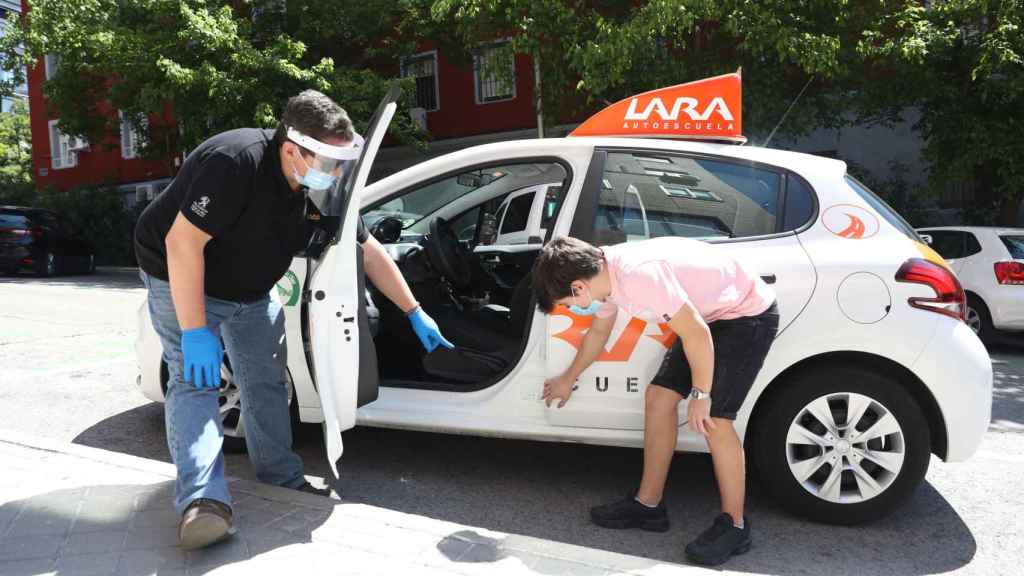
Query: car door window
[[949, 244], [465, 225], [517, 214], [647, 195], [800, 203], [972, 245]]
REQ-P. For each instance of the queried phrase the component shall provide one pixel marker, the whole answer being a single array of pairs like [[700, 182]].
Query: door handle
[[768, 278]]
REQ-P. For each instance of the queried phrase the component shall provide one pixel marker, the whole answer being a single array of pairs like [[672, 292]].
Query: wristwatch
[[698, 394]]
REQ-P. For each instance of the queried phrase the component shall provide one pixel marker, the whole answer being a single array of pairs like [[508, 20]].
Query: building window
[[130, 136], [63, 148], [423, 67], [494, 72], [51, 61]]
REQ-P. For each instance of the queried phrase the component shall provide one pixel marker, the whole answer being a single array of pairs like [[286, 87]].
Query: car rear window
[[883, 209], [9, 219], [1015, 244]]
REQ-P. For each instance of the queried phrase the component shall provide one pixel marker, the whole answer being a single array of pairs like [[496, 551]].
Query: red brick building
[[488, 99]]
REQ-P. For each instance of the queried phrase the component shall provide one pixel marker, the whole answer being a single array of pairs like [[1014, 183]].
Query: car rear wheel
[[979, 319], [230, 408], [232, 418], [47, 265], [845, 446]]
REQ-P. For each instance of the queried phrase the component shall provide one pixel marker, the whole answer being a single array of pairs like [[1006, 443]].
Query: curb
[[89, 453]]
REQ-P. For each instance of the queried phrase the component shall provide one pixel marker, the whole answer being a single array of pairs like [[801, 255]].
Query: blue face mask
[[590, 310], [314, 179], [595, 305]]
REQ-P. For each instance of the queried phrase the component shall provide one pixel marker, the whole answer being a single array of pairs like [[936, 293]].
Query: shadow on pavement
[[544, 490], [115, 278], [129, 530]]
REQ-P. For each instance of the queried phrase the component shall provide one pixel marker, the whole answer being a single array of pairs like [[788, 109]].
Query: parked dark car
[[39, 241]]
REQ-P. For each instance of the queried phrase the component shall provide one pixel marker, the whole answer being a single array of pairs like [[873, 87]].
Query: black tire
[[235, 444], [772, 450], [48, 265], [983, 325]]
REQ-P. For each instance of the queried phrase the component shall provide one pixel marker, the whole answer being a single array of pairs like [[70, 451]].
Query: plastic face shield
[[327, 158], [329, 165]]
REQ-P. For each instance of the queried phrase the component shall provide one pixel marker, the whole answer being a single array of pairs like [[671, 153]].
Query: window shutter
[[127, 141], [56, 157]]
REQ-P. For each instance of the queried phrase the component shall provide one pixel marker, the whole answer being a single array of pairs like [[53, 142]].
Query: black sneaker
[[628, 513], [720, 542], [310, 489]]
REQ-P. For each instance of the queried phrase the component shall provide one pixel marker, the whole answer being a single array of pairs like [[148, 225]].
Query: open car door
[[339, 345]]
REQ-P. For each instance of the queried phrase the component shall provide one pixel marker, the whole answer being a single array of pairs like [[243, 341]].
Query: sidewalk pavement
[[74, 510]]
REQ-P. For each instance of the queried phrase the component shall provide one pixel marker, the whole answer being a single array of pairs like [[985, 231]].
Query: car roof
[[994, 229], [770, 156]]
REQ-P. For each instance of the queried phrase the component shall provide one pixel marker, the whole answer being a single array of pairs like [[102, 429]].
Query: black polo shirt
[[232, 188]]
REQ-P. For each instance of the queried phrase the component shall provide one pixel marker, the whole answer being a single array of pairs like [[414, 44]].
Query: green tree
[[960, 64], [15, 152], [204, 65], [600, 51]]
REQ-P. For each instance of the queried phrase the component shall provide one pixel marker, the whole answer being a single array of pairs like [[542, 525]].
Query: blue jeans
[[254, 340]]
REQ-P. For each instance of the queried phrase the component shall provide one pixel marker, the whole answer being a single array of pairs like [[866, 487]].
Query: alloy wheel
[[845, 448], [973, 319], [230, 401]]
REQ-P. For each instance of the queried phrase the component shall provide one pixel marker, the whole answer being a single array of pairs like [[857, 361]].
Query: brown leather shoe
[[204, 522]]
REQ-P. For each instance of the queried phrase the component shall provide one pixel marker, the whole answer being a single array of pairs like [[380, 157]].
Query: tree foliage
[[207, 65], [15, 150], [960, 64], [215, 64]]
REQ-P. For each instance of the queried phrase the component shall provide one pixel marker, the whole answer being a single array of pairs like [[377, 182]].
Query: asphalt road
[[67, 372]]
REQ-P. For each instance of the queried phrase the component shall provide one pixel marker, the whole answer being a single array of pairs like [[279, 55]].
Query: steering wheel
[[447, 254]]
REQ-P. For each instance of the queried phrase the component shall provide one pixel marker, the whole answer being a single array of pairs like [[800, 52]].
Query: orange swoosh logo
[[623, 348], [856, 228]]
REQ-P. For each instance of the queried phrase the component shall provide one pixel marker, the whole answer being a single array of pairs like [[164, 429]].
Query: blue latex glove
[[425, 327], [203, 354]]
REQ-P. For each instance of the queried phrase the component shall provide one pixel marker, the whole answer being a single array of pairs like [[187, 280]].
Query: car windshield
[[883, 209], [414, 207], [1015, 244]]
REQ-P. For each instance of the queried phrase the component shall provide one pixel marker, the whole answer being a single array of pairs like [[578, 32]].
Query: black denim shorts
[[741, 345]]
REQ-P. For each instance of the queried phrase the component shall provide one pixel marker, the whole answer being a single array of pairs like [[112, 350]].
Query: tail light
[[1009, 272], [949, 295], [36, 232]]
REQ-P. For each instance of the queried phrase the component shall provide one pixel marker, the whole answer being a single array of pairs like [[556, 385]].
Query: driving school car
[[873, 369]]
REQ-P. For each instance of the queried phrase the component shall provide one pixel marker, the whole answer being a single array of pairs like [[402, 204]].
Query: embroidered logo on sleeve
[[199, 206]]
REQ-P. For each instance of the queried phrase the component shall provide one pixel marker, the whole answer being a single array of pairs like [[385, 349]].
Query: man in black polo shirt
[[211, 248]]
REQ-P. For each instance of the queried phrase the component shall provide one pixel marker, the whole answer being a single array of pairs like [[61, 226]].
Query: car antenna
[[786, 113]]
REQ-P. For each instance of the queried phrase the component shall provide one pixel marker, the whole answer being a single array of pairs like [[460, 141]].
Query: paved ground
[[68, 370], [81, 511]]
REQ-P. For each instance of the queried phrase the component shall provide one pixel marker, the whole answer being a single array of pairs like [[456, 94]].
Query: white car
[[873, 369], [990, 265]]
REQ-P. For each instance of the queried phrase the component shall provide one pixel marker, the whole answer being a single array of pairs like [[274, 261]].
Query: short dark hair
[[315, 115], [560, 263]]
